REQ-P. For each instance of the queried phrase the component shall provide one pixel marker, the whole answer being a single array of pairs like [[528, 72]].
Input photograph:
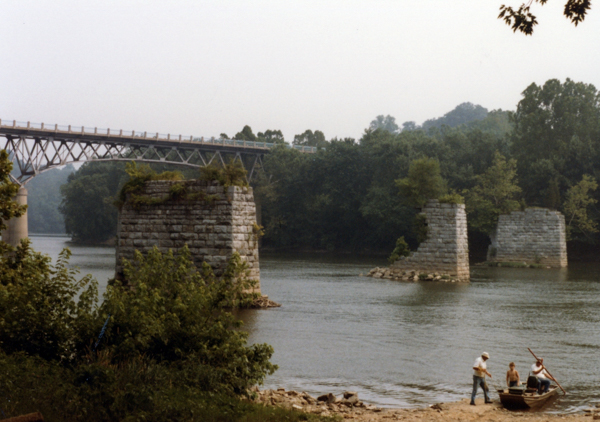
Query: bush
[[168, 311], [231, 174], [136, 390], [138, 176], [452, 198], [401, 249], [44, 310], [172, 348]]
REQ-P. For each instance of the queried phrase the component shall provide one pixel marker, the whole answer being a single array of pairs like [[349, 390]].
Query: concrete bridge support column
[[17, 227]]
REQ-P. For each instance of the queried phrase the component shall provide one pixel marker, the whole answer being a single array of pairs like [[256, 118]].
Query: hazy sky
[[205, 67]]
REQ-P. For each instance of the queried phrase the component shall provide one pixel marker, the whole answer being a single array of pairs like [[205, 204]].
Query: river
[[404, 344]]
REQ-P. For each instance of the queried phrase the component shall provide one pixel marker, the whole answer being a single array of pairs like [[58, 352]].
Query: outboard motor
[[533, 382]]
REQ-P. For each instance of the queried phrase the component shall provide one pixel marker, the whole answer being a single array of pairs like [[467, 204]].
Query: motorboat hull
[[527, 400]]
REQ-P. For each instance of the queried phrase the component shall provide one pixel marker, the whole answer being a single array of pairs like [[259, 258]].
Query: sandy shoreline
[[350, 408]]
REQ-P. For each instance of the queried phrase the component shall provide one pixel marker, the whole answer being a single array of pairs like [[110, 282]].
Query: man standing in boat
[[542, 375], [481, 371]]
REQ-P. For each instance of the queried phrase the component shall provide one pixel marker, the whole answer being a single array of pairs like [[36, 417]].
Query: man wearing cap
[[481, 371]]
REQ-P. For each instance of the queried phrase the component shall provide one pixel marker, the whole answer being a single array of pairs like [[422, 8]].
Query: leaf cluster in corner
[[523, 20]]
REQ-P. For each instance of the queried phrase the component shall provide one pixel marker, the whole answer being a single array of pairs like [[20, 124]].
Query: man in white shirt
[[543, 377], [481, 371]]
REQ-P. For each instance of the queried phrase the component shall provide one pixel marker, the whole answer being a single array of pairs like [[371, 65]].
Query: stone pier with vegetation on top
[[213, 221], [444, 255], [535, 236]]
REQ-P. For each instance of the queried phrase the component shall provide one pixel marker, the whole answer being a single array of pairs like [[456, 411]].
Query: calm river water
[[411, 344]]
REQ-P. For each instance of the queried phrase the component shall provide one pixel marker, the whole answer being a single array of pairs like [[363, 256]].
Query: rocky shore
[[409, 275], [349, 407]]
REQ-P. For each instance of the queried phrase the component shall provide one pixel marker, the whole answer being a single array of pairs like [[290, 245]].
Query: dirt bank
[[350, 408]]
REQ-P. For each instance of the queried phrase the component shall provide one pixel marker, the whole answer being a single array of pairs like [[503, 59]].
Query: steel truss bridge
[[36, 147]]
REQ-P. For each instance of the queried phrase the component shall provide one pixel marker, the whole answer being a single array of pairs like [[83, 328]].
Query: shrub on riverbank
[[172, 349], [135, 390]]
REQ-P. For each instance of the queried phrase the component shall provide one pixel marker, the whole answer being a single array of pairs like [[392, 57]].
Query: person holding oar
[[543, 376]]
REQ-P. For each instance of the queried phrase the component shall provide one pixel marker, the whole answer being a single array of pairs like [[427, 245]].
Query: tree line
[[349, 195]]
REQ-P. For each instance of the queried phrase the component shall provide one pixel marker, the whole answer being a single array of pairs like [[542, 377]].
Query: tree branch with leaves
[[523, 20]]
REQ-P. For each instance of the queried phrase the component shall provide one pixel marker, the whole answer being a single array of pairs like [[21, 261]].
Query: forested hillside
[[347, 196]]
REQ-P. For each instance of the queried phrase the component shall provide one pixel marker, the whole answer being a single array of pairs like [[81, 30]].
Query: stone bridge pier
[[17, 228]]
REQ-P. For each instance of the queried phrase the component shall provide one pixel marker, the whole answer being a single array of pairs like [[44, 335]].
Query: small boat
[[522, 397]]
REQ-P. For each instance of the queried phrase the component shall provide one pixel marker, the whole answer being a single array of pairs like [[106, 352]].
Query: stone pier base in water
[[446, 249], [533, 236], [212, 220]]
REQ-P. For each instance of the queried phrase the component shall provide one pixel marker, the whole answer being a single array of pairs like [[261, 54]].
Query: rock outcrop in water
[[410, 275]]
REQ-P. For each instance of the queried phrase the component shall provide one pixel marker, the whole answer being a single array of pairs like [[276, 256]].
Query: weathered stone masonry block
[[446, 248], [536, 235], [213, 230]]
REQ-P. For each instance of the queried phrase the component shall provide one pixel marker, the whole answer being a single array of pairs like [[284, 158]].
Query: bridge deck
[[96, 135]]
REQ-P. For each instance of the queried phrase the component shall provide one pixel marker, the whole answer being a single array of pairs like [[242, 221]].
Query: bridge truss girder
[[34, 155]]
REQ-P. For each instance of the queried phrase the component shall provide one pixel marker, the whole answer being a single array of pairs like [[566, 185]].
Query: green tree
[[386, 158], [424, 182], [384, 123], [8, 190], [271, 136], [523, 20], [410, 125], [496, 192], [284, 213], [576, 208], [556, 137], [497, 123], [462, 114], [311, 139], [246, 134], [87, 204]]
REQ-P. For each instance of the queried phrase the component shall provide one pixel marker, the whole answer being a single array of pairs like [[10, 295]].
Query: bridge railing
[[82, 130]]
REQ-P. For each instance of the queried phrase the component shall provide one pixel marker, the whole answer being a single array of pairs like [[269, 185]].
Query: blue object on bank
[[101, 333]]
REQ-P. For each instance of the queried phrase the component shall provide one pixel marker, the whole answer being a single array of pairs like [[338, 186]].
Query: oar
[[536, 358]]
